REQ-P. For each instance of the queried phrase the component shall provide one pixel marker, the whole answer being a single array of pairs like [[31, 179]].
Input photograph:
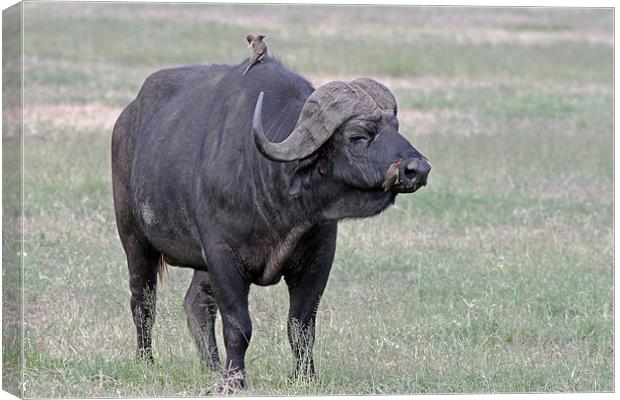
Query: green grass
[[496, 277]]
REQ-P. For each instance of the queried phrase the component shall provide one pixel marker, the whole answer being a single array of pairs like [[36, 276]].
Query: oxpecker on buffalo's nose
[[391, 177]]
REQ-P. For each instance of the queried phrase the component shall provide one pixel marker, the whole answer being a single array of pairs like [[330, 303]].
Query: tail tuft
[[162, 269]]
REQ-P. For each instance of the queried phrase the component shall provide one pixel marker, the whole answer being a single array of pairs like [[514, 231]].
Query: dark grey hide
[[195, 185]]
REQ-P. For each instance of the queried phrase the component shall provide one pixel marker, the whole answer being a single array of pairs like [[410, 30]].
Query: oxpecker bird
[[391, 177], [258, 50]]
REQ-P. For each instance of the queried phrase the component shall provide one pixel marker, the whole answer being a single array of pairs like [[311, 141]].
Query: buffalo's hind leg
[[201, 311], [143, 261]]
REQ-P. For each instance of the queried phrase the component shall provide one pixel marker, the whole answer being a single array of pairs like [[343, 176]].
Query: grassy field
[[503, 277]]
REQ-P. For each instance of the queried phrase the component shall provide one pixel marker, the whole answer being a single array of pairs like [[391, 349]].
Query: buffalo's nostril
[[418, 170]]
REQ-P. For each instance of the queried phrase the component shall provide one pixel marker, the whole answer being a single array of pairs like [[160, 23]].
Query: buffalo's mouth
[[409, 187], [403, 186]]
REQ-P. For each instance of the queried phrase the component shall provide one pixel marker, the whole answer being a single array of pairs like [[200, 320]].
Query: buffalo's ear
[[301, 175], [249, 38]]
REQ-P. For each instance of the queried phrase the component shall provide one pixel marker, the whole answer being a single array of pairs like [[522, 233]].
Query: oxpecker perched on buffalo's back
[[258, 50]]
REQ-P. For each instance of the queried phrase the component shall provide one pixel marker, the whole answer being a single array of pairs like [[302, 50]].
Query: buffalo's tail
[[162, 268]]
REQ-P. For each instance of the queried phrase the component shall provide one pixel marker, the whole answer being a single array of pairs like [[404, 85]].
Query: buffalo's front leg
[[201, 312], [231, 295], [306, 286]]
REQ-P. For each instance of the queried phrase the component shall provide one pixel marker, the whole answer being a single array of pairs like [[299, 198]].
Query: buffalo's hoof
[[230, 383], [304, 378], [144, 355]]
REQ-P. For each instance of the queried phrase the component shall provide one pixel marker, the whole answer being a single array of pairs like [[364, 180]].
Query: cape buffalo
[[244, 179]]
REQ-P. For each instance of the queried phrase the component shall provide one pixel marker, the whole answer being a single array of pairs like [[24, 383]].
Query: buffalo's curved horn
[[323, 112], [263, 145], [299, 144]]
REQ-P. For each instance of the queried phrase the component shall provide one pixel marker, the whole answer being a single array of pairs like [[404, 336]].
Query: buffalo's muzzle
[[413, 174]]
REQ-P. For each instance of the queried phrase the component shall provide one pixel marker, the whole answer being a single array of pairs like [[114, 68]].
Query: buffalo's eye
[[359, 138], [359, 135]]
